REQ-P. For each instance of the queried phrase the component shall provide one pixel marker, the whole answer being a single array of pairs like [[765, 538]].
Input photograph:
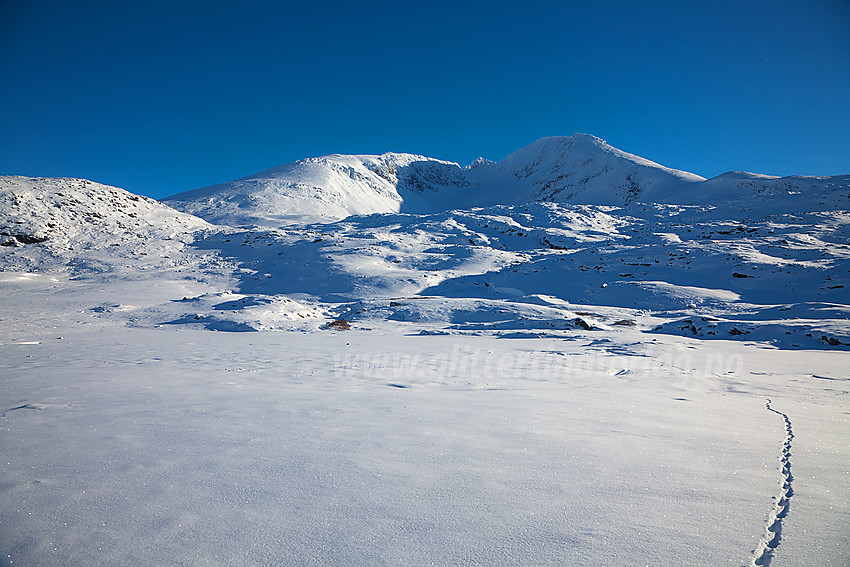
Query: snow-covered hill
[[328, 188], [45, 221], [580, 169]]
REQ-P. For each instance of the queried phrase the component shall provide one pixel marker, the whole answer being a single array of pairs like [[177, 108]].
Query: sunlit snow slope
[[328, 188]]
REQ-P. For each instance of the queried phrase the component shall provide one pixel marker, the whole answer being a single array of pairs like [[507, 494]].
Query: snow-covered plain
[[501, 364]]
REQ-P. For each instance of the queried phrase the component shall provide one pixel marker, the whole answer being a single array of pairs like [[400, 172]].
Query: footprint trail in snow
[[769, 542]]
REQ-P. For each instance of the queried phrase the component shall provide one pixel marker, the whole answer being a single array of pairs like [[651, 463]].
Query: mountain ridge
[[577, 169], [761, 258]]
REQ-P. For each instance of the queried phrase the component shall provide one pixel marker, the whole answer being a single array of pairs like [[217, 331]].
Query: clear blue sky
[[159, 97]]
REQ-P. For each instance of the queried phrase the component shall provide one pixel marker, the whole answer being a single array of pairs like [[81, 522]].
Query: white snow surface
[[529, 362]]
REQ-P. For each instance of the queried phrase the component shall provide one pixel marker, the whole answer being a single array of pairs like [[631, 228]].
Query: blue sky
[[161, 97]]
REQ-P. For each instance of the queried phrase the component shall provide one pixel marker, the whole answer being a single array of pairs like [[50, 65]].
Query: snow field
[[181, 446]]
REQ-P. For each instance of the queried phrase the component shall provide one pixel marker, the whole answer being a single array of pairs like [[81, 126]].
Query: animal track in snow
[[763, 554]]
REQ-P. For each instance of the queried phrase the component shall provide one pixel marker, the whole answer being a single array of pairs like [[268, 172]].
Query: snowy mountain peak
[[578, 139], [325, 188], [480, 162], [580, 150], [579, 169]]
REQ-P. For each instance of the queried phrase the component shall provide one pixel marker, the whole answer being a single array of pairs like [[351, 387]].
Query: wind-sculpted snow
[[181, 446]]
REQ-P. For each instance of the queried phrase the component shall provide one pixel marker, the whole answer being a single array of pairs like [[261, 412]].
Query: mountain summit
[[578, 169]]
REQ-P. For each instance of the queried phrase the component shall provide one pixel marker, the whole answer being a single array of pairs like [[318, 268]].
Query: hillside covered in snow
[[80, 222], [580, 169], [571, 356]]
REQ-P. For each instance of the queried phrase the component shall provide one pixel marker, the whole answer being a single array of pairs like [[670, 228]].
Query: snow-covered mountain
[[580, 169], [562, 223], [503, 346], [328, 188]]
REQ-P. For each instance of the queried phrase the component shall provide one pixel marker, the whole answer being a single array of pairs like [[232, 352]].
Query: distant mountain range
[[567, 233], [579, 169]]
